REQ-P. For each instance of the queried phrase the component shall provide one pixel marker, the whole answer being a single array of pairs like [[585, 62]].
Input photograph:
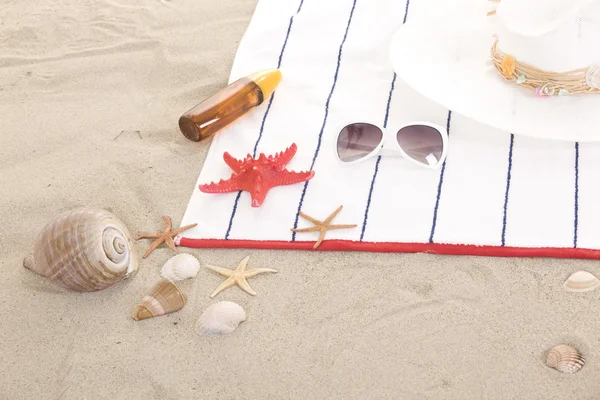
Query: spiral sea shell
[[180, 267], [220, 319], [85, 249], [565, 358], [164, 298]]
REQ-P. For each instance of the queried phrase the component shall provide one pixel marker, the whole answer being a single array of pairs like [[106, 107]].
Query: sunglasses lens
[[422, 143], [357, 141]]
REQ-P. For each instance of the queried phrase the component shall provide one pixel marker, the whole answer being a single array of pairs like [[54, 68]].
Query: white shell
[[565, 358], [581, 281], [592, 76], [220, 318], [180, 267], [85, 249], [547, 90]]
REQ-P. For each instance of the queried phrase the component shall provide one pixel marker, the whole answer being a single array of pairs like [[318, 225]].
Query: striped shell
[[592, 76], [565, 359], [164, 298], [85, 249], [220, 319], [180, 267]]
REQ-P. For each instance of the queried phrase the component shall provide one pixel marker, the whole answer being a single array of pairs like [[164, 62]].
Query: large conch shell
[[164, 298], [85, 249]]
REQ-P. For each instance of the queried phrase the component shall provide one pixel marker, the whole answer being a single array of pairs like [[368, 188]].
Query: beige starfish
[[238, 276], [322, 226], [165, 236]]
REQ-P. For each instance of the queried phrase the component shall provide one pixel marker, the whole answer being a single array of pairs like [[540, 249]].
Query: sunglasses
[[423, 143]]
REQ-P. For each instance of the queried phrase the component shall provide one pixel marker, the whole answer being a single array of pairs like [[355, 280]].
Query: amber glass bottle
[[224, 107]]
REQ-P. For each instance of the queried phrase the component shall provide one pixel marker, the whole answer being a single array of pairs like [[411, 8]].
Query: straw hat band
[[545, 83]]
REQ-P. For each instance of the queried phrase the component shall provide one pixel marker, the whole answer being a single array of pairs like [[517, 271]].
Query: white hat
[[475, 64]]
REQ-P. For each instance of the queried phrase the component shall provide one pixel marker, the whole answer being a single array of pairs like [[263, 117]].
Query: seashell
[[521, 79], [220, 319], [180, 267], [164, 298], [563, 92], [592, 76], [85, 249], [565, 358], [545, 91], [581, 281], [538, 92]]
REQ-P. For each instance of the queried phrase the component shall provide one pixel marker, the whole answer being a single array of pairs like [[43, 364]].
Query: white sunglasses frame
[[389, 146]]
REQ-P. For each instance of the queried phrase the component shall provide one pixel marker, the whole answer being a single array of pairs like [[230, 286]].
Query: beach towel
[[497, 194]]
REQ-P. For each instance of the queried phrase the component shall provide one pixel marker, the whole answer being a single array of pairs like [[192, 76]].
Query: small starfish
[[322, 226], [238, 276], [258, 175], [165, 236]]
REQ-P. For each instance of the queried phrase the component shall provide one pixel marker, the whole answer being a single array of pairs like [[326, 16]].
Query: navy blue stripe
[[385, 122], [364, 226], [389, 102], [406, 11], [300, 6], [262, 125], [335, 78], [508, 176], [439, 190], [576, 194]]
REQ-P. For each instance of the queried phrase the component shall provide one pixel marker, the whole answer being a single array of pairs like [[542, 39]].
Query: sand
[[75, 75]]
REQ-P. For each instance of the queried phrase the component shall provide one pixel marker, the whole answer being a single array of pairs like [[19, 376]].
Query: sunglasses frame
[[389, 146]]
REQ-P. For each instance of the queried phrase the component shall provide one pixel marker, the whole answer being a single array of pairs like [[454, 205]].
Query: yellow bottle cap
[[267, 81]]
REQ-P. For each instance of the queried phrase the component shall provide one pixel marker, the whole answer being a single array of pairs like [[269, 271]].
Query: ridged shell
[[220, 318], [85, 249], [565, 358], [164, 298], [592, 76], [581, 281], [180, 267]]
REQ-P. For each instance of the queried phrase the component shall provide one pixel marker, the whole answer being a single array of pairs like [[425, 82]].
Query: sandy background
[[73, 75]]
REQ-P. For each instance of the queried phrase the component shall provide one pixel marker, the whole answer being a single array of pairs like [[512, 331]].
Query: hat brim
[[450, 63]]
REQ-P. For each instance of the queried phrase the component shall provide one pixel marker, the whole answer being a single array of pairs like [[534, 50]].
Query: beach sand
[[90, 93]]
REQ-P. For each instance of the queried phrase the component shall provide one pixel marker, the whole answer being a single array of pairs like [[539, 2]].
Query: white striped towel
[[497, 194]]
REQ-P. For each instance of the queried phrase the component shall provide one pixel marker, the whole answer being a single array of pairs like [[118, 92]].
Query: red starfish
[[258, 175]]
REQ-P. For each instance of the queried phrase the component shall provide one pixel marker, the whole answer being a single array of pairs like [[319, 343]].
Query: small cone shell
[[164, 298], [565, 358], [581, 281]]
